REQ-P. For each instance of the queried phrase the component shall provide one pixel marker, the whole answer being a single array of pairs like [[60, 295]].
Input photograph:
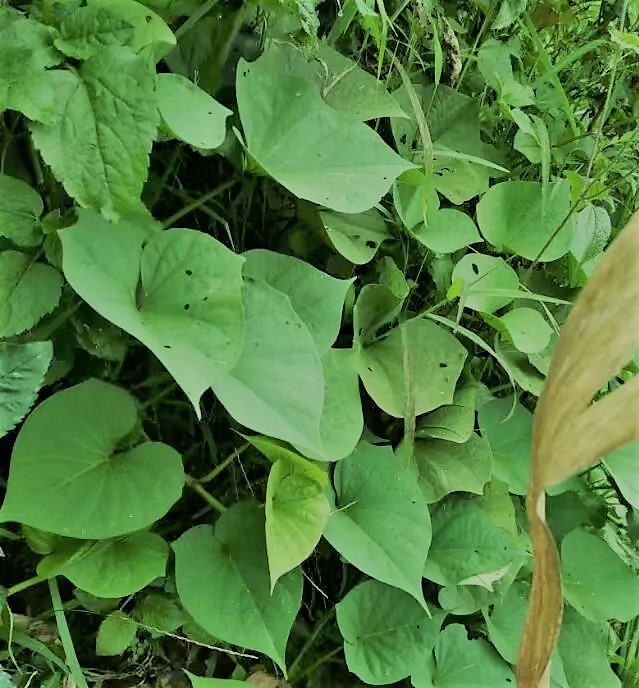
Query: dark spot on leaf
[[370, 244], [475, 268], [403, 138], [443, 365], [245, 72], [189, 272], [187, 306], [205, 298], [508, 680], [167, 346], [357, 237], [148, 18], [371, 370]]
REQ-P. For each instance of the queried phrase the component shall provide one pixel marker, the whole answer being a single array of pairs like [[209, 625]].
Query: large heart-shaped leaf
[[381, 524], [111, 568], [222, 579], [317, 153], [386, 632], [71, 476], [22, 370], [431, 358], [523, 217], [179, 294], [466, 543], [28, 291], [317, 298], [296, 513]]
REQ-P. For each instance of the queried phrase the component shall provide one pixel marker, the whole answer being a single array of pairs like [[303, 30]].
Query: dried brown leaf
[[571, 433]]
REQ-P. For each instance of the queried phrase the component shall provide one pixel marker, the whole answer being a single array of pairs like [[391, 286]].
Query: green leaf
[[494, 62], [20, 210], [159, 614], [466, 543], [276, 387], [85, 30], [435, 359], [116, 634], [623, 465], [385, 631], [596, 582], [462, 600], [223, 582], [528, 329], [344, 165], [70, 475], [342, 420], [462, 161], [376, 306], [415, 199], [98, 145], [591, 236], [381, 524], [201, 682], [111, 568], [463, 663], [22, 371], [28, 291], [479, 274], [355, 236], [521, 216], [444, 467], [296, 513], [276, 451], [583, 647], [179, 294], [509, 433], [317, 298], [189, 113], [151, 35], [346, 87], [447, 231], [520, 368], [26, 50], [454, 422]]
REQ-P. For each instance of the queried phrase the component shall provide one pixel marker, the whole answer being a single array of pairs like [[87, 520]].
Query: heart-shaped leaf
[[74, 472]]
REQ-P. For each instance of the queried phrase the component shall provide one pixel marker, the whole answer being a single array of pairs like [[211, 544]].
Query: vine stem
[[24, 585], [194, 205], [224, 464], [196, 486], [65, 635], [309, 643]]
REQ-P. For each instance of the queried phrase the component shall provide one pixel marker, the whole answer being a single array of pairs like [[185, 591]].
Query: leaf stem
[[319, 627], [195, 485], [65, 635], [227, 462], [194, 205], [24, 585]]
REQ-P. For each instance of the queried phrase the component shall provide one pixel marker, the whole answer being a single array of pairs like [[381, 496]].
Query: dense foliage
[[279, 288]]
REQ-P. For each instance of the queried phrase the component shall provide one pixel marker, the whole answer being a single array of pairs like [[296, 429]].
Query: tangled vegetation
[[280, 284]]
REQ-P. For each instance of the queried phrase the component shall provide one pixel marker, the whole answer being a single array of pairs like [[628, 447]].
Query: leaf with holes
[[77, 469], [482, 278], [356, 236]]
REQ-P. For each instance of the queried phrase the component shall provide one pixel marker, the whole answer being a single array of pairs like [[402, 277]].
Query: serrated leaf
[[223, 582], [385, 632], [22, 371], [381, 522], [296, 513], [28, 291], [481, 666], [344, 165], [20, 210], [111, 568], [98, 145], [68, 477], [190, 113], [317, 298], [444, 467], [26, 50], [466, 543], [180, 293], [84, 30], [435, 361], [479, 275], [520, 216], [116, 633]]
